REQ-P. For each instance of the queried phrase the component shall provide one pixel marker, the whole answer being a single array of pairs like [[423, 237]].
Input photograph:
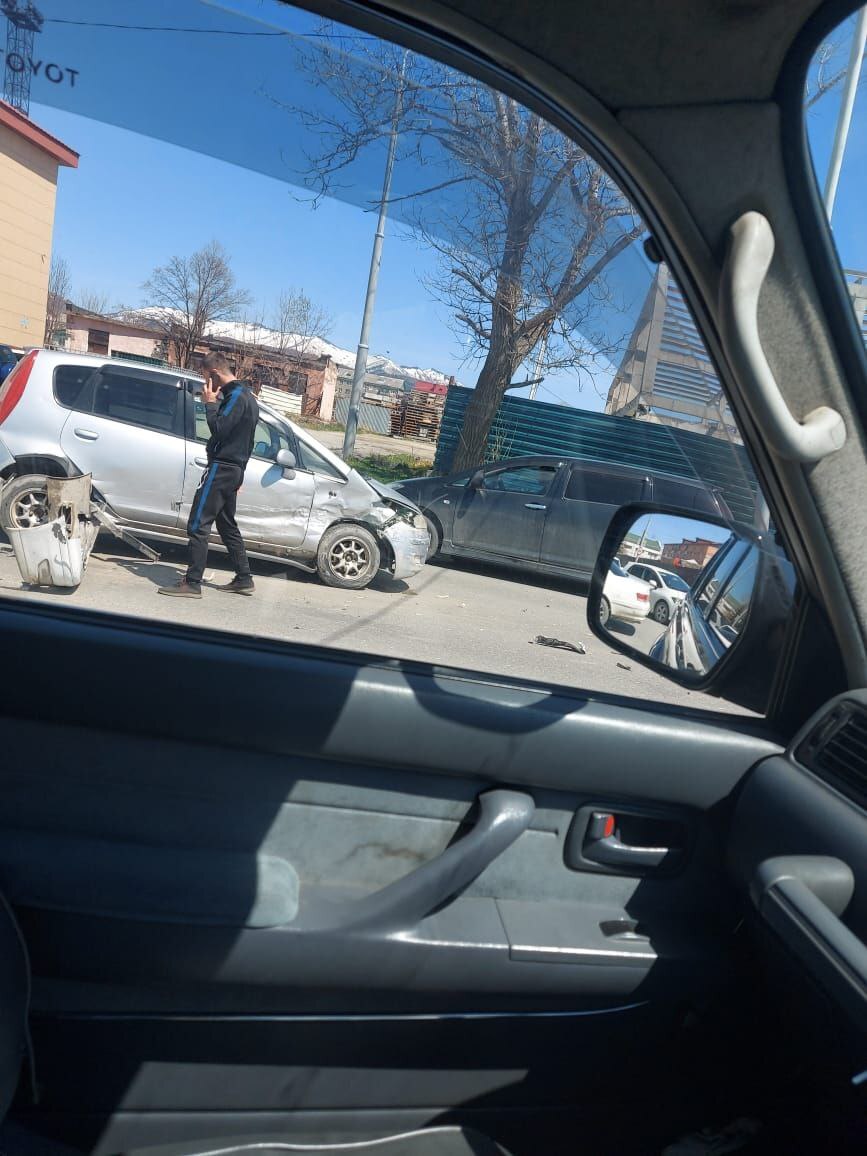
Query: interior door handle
[[503, 816], [534, 506], [86, 435], [612, 852]]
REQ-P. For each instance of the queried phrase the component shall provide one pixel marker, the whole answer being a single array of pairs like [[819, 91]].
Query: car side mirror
[[287, 460], [477, 481], [725, 634]]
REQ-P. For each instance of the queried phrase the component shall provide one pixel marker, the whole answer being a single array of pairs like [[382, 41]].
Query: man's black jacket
[[233, 425]]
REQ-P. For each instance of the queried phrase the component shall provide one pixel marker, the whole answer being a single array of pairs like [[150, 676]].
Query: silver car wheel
[[29, 509], [348, 557]]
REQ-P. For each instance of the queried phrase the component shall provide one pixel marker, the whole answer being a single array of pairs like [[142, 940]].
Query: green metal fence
[[524, 427]]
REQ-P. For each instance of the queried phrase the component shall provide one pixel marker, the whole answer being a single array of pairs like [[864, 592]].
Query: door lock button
[[601, 825]]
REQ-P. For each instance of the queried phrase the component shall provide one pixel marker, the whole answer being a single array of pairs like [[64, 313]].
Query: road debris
[[559, 644], [624, 666]]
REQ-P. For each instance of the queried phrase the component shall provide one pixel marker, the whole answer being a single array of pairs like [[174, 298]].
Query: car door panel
[[586, 501], [273, 506], [509, 522], [212, 985], [139, 470]]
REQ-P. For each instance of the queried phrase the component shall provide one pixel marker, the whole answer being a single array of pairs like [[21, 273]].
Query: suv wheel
[[433, 548], [348, 557], [24, 502]]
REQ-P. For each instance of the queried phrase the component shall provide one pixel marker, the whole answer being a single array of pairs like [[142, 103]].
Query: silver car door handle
[[200, 462], [534, 506], [86, 435]]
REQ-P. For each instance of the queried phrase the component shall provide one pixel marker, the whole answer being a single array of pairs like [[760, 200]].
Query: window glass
[[309, 459], [730, 610], [69, 383], [610, 489], [522, 479], [480, 355], [673, 581], [148, 401], [268, 441], [719, 576]]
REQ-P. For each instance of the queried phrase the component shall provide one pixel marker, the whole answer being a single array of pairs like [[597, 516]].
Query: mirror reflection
[[679, 590]]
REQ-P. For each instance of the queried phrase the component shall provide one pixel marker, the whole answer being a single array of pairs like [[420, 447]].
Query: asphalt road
[[450, 614]]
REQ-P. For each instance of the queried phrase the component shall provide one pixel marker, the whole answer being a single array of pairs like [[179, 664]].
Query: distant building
[[29, 162], [296, 383], [112, 335], [637, 546], [855, 283], [690, 553], [666, 376]]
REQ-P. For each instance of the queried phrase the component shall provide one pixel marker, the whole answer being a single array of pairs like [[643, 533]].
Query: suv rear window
[[600, 486], [69, 383]]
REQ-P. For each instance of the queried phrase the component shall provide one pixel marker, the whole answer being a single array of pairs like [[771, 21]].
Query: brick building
[[691, 552]]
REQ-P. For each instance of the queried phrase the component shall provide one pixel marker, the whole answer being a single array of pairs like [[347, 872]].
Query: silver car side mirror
[[286, 459]]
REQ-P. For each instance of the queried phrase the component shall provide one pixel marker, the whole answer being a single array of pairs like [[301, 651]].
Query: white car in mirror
[[624, 597]]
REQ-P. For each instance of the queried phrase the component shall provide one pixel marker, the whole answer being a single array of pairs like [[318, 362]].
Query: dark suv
[[546, 514]]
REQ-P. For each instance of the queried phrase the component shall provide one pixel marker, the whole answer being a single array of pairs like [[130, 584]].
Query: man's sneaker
[[238, 586], [181, 590]]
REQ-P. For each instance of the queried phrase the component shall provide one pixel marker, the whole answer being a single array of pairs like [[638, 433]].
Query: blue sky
[[135, 200]]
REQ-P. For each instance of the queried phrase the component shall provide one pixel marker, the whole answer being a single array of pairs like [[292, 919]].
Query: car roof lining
[[741, 48]]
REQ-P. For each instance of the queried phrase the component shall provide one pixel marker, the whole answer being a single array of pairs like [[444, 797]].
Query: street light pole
[[373, 276], [847, 104]]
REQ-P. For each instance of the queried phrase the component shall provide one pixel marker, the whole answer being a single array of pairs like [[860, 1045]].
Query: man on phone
[[232, 413]]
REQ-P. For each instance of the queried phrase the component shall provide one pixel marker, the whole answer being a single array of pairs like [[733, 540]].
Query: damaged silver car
[[140, 431]]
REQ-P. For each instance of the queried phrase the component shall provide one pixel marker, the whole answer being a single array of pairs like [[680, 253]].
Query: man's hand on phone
[[209, 395]]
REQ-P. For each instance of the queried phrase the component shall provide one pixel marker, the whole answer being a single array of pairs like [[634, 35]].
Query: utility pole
[[537, 371], [373, 276], [847, 104]]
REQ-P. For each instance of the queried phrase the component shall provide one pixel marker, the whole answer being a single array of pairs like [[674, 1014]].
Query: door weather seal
[[749, 255]]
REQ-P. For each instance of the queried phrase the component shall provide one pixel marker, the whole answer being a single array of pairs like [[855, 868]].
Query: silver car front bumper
[[410, 545]]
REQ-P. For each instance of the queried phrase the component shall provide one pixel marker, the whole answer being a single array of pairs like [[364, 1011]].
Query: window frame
[[87, 389], [330, 473], [110, 371]]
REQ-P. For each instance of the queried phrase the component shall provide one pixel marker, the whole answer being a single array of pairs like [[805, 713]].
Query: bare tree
[[824, 78], [525, 223], [58, 294], [296, 321], [93, 301], [248, 340], [191, 292]]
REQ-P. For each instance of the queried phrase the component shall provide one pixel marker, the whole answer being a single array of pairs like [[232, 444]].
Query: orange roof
[[24, 126]]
